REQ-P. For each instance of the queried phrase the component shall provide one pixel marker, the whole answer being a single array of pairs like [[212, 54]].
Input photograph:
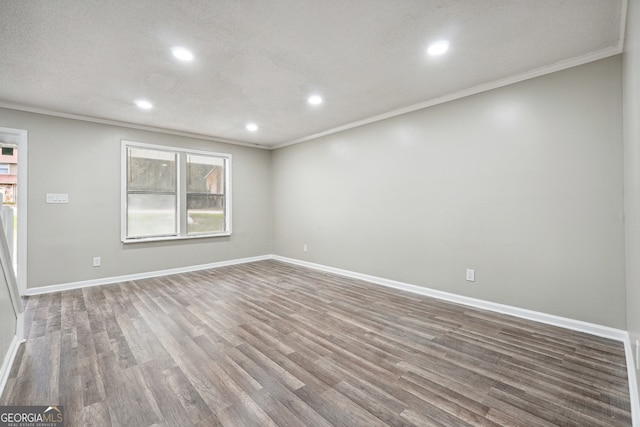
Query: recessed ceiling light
[[252, 127], [182, 53], [315, 100], [145, 105], [438, 48]]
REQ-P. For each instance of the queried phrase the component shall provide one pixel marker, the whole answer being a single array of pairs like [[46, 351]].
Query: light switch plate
[[57, 198]]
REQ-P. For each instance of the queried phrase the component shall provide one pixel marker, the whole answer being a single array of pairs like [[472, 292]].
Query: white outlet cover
[[471, 275]]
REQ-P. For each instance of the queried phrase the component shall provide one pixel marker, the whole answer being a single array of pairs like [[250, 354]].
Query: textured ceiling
[[258, 61]]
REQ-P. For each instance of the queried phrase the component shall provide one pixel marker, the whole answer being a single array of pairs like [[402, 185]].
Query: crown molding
[[45, 112], [558, 66]]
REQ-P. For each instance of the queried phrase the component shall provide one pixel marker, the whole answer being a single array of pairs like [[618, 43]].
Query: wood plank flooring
[[268, 343]]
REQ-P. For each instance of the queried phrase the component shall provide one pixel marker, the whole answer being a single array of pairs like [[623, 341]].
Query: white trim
[[633, 383], [228, 188], [21, 256], [623, 25], [45, 112], [123, 190], [173, 237], [20, 327], [139, 276], [549, 319], [8, 361], [559, 66], [628, 349], [536, 316], [171, 148]]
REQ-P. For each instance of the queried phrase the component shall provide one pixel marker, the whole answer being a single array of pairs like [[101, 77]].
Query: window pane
[[151, 215], [205, 174], [151, 170], [151, 193], [205, 213], [205, 194]]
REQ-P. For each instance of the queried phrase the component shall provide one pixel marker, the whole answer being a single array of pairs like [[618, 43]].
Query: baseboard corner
[[139, 276]]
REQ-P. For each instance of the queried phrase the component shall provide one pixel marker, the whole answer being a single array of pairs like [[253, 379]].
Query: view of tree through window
[[162, 201]]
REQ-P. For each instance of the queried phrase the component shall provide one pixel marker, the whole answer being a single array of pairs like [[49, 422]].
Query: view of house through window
[[205, 194], [174, 193]]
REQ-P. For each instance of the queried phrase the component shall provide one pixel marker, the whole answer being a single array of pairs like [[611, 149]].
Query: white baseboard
[[549, 319], [563, 322], [8, 362], [139, 276]]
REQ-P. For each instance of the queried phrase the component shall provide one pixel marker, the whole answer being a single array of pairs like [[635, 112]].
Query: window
[[4, 169], [174, 193]]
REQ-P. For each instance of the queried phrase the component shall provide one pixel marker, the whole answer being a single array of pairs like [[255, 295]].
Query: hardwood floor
[[268, 343]]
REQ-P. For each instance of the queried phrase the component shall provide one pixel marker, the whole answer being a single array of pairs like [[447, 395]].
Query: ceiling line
[[484, 87], [559, 66], [28, 109]]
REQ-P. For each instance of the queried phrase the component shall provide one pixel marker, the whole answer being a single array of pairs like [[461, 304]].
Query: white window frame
[[181, 225], [8, 169]]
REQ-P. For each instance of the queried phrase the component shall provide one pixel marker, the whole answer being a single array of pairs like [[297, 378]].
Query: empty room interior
[[405, 212]]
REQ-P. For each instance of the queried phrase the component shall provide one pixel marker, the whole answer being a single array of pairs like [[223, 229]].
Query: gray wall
[[524, 184], [632, 168], [83, 159]]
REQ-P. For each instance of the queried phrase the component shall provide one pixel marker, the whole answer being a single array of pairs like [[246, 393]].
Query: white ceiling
[[258, 61]]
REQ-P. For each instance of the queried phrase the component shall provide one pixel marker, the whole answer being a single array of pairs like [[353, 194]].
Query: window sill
[[170, 238]]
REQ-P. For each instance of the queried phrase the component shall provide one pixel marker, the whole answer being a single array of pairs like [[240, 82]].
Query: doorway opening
[[9, 195], [13, 187]]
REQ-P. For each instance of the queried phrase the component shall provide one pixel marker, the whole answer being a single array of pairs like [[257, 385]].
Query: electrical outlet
[[96, 261], [305, 248], [471, 275]]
